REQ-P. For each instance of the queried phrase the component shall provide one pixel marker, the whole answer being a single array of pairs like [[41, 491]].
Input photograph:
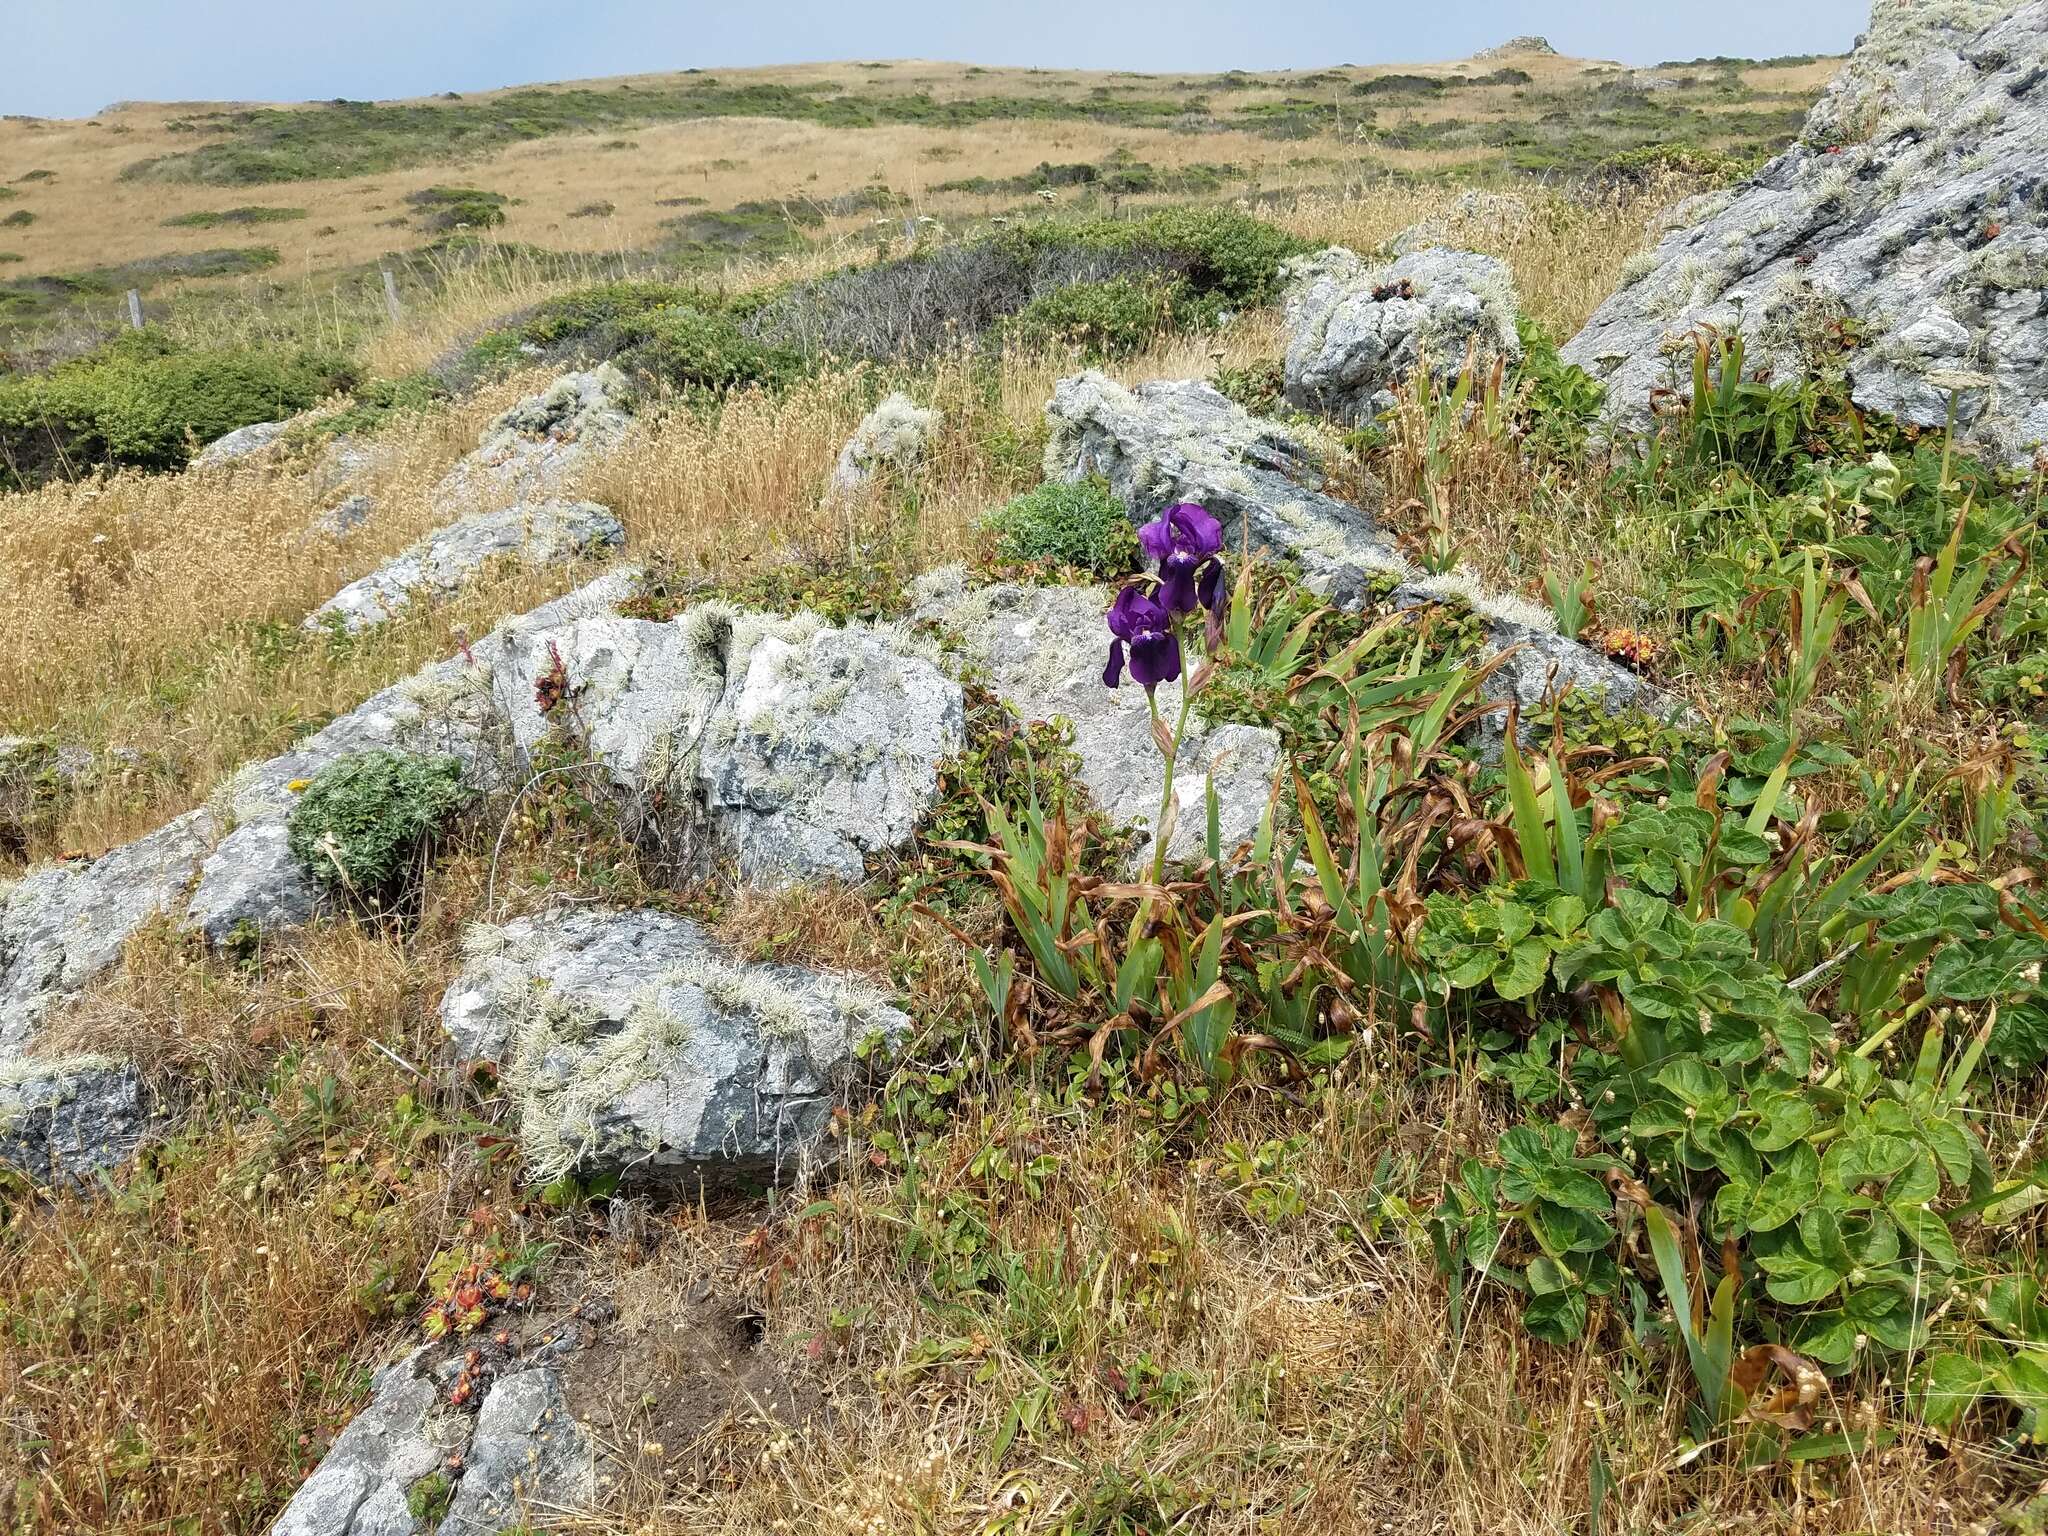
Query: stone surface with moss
[[633, 1043]]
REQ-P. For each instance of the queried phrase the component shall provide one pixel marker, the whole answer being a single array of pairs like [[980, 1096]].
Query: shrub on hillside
[[146, 402], [442, 209], [1108, 319], [1077, 523], [361, 820]]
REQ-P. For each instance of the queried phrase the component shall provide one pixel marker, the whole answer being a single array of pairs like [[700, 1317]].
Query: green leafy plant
[[364, 816], [1077, 523]]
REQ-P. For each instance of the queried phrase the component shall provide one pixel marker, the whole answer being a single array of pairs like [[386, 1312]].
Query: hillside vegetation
[[1627, 1125]]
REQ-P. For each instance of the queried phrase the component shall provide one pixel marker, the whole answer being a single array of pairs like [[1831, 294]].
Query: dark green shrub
[[1075, 522], [444, 208], [1108, 319], [18, 219], [691, 351], [207, 218], [144, 402], [364, 816]]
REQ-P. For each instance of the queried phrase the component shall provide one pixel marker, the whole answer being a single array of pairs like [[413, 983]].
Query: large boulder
[[796, 747], [528, 534], [1042, 650], [894, 435], [532, 449], [1907, 218], [1357, 331], [634, 1043]]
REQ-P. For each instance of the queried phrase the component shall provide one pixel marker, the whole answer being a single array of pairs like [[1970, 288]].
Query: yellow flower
[[298, 786]]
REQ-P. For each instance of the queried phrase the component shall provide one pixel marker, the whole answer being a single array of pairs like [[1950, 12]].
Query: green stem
[[1166, 794]]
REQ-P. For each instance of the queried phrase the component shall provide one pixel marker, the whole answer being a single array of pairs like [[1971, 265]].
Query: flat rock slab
[[634, 1043], [563, 1410], [1042, 649], [532, 450], [530, 534], [1909, 206], [1357, 331]]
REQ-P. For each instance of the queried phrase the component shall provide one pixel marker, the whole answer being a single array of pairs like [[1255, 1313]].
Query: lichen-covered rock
[[893, 435], [633, 1042], [532, 449], [1042, 650], [531, 534], [345, 516], [797, 747], [224, 870], [239, 444], [1907, 210], [62, 1119], [1357, 331], [64, 924], [1180, 440], [1155, 446], [527, 1460], [362, 1486]]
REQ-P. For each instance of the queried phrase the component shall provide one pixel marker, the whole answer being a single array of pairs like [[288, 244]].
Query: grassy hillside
[[1092, 1273], [693, 169]]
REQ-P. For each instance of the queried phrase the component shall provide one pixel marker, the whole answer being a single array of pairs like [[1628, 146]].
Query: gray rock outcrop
[[1909, 212], [632, 1042], [1042, 650], [1170, 441], [796, 747], [894, 435], [529, 534], [1357, 331], [531, 450], [64, 1118], [518, 1461], [1180, 440], [239, 444]]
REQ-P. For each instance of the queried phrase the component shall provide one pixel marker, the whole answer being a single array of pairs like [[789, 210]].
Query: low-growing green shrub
[[207, 218], [444, 208], [143, 401], [19, 219], [1109, 319], [364, 816], [1077, 523]]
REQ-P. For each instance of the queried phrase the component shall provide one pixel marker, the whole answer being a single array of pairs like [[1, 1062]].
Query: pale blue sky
[[70, 57]]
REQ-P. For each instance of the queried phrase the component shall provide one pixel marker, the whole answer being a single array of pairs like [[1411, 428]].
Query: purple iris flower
[[1147, 629], [1184, 541]]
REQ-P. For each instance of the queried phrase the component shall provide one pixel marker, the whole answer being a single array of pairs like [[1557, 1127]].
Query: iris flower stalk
[[1146, 629]]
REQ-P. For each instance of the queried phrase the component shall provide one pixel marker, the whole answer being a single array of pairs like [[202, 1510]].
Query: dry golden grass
[[86, 216]]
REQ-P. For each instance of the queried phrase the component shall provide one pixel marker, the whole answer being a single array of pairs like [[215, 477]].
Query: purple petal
[[1133, 613], [1177, 584], [1209, 585], [1113, 674], [1155, 659], [1194, 529], [1156, 539]]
